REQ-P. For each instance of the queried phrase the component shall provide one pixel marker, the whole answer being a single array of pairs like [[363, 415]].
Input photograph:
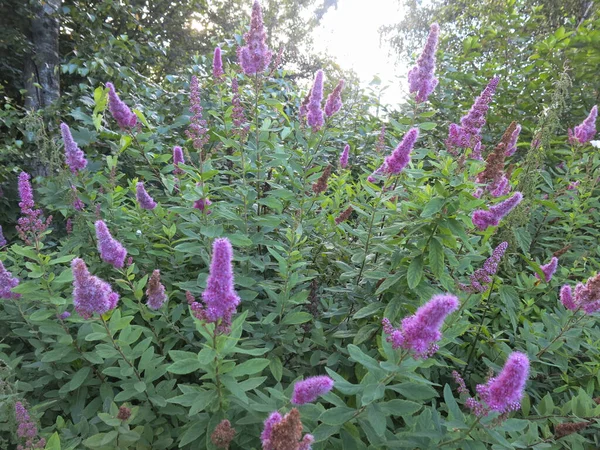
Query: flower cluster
[[483, 219], [493, 175], [7, 282], [344, 157], [307, 391], [237, 115], [3, 241], [223, 434], [111, 250], [285, 433], [90, 293], [27, 429], [320, 185], [586, 130], [73, 154], [483, 276], [78, 205], [344, 215], [400, 157], [334, 100], [548, 269], [511, 148], [197, 131], [467, 135], [586, 296], [421, 331], [120, 111], [314, 113], [30, 225], [143, 198], [178, 159], [217, 65], [255, 56], [219, 297], [156, 291], [420, 77]]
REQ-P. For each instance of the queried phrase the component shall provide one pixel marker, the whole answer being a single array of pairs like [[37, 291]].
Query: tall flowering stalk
[[91, 294], [400, 157], [30, 226], [7, 282], [585, 131], [468, 134], [285, 432], [197, 130], [483, 219], [143, 198], [420, 78], [255, 56], [120, 111], [334, 100], [421, 331], [219, 298], [482, 277], [217, 65], [111, 250], [156, 291], [314, 114], [307, 391], [586, 296], [73, 154]]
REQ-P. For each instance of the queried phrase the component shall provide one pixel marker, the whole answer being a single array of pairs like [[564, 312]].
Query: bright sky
[[350, 35]]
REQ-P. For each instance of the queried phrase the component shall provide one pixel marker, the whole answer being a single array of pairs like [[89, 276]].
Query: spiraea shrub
[[269, 268]]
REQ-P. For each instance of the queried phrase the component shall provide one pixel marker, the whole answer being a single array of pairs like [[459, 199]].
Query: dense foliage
[[219, 238]]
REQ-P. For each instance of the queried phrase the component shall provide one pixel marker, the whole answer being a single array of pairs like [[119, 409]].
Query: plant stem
[[564, 329], [462, 436], [483, 316]]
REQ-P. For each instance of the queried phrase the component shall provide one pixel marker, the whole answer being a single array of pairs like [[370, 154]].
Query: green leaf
[[296, 318], [433, 206], [415, 272], [337, 416], [357, 355], [276, 368], [399, 407], [250, 367], [436, 257], [184, 366], [79, 377], [53, 442]]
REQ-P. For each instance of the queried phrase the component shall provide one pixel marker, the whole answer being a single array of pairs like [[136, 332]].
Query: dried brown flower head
[[124, 413], [321, 184], [564, 429], [223, 434], [344, 215]]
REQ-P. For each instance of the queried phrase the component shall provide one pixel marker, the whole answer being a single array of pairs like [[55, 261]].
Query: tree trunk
[[41, 71]]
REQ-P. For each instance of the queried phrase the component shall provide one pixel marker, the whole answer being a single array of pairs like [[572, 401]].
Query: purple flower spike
[[255, 56], [220, 299], [217, 65], [178, 159], [334, 100], [273, 419], [155, 292], [512, 144], [586, 297], [566, 297], [73, 154], [111, 250], [143, 198], [467, 135], [2, 238], [549, 269], [197, 130], [120, 111], [344, 157], [400, 157], [91, 294], [586, 130], [307, 391], [421, 331], [483, 219], [202, 205], [314, 116], [420, 77], [7, 282], [504, 392]]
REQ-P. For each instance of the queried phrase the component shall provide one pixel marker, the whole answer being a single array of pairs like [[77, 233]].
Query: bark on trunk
[[41, 69]]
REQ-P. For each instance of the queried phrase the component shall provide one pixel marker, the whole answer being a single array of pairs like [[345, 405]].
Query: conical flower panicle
[[307, 391], [483, 219], [285, 433], [155, 292], [73, 154], [314, 114], [111, 250], [334, 100], [197, 130], [255, 56], [217, 65], [344, 156], [91, 294], [124, 117], [420, 78], [143, 198], [586, 130], [549, 269], [178, 159]]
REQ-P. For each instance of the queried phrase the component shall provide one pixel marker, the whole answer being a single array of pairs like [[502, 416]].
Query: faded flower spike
[[320, 185], [586, 296], [73, 154], [344, 215], [504, 392], [344, 157], [285, 433], [223, 434], [156, 291], [7, 282], [307, 391], [549, 269], [143, 198], [421, 331], [420, 78], [334, 100], [314, 114], [255, 56], [120, 111], [586, 130], [90, 293], [111, 250], [483, 219]]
